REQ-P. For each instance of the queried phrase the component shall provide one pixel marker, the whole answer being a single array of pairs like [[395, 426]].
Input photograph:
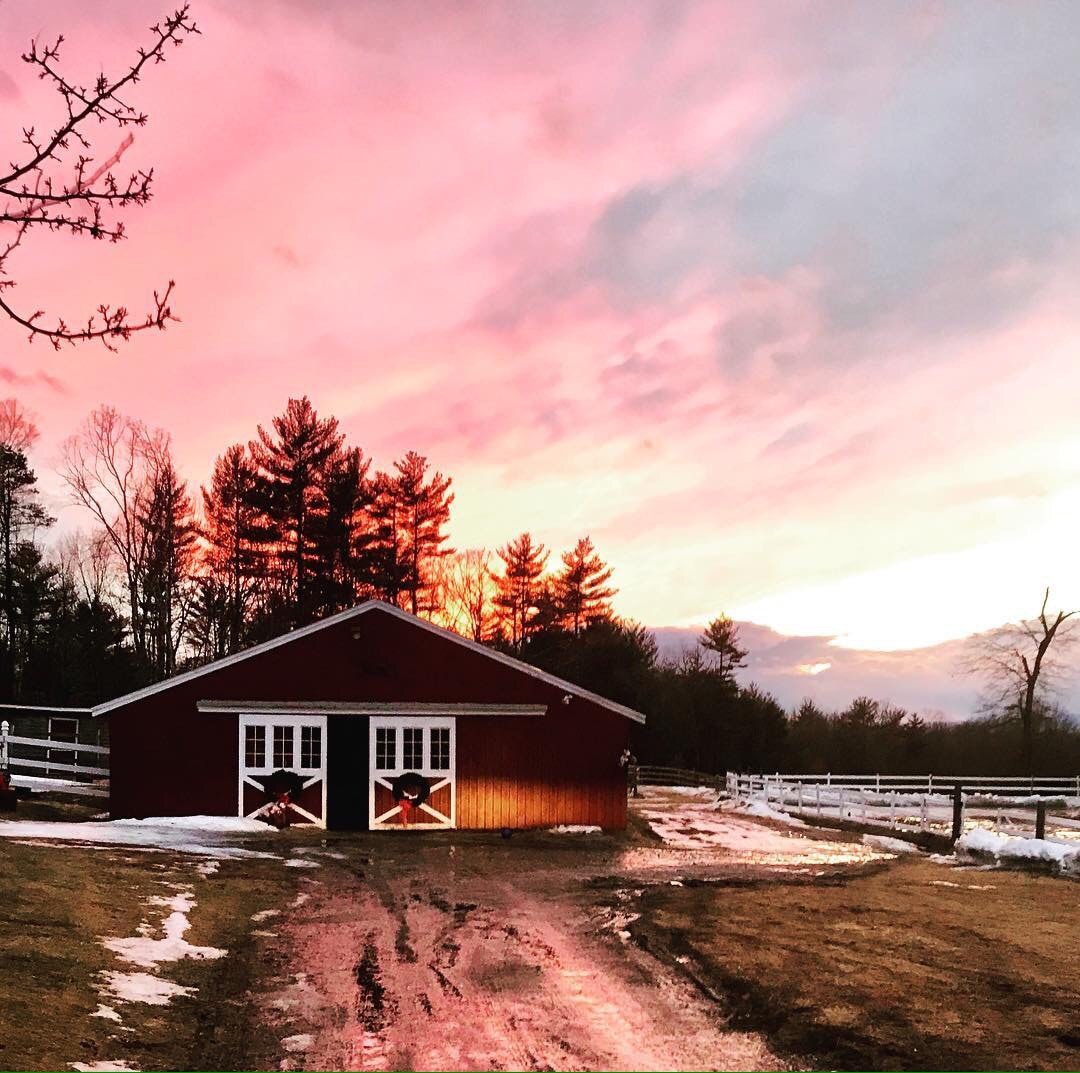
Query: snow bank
[[764, 810], [980, 842], [890, 845], [169, 833], [700, 827], [574, 829]]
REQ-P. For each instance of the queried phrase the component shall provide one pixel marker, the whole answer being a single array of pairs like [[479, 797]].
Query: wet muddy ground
[[486, 955], [738, 943]]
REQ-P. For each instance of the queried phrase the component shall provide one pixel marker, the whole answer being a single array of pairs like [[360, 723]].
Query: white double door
[[420, 745]]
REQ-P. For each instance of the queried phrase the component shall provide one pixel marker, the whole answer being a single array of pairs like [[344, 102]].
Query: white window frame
[[311, 775], [439, 777]]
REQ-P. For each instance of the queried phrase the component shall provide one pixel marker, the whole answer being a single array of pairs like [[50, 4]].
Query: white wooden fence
[[51, 764], [922, 802]]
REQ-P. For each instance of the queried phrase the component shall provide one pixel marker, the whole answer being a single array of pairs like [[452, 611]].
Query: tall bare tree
[[1020, 663], [110, 467], [467, 591], [59, 184], [18, 429]]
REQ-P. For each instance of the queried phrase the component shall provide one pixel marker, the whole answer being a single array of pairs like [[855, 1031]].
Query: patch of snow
[[764, 810], [102, 1067], [574, 829], [298, 1043], [143, 987], [171, 834], [300, 863], [891, 845], [148, 953], [107, 1012], [236, 825], [980, 842], [702, 827], [264, 915], [299, 900], [208, 868]]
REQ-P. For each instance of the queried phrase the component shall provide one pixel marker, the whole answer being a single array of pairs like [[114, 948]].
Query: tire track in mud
[[471, 972]]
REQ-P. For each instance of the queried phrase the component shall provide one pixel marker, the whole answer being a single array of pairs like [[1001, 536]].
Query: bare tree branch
[[35, 193]]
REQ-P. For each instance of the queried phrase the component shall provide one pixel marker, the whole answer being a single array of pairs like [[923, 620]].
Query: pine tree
[[425, 513], [580, 590], [389, 575], [721, 636], [232, 561], [20, 515], [292, 463], [345, 533], [521, 587], [171, 533]]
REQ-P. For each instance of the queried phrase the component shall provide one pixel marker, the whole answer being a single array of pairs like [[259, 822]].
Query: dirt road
[[445, 959]]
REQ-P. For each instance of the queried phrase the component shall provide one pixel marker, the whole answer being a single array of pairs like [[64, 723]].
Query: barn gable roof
[[354, 612]]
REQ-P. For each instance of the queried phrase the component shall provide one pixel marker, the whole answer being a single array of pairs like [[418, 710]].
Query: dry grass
[[889, 969], [56, 902]]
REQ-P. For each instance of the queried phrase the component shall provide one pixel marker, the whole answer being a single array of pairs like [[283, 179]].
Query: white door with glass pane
[[421, 745], [290, 743]]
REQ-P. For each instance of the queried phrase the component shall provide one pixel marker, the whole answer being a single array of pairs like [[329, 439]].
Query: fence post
[[892, 809], [840, 807], [957, 811], [1040, 820], [798, 795], [922, 813], [5, 727]]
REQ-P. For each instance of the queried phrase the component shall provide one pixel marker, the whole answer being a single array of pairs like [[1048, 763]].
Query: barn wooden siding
[[169, 759], [538, 772]]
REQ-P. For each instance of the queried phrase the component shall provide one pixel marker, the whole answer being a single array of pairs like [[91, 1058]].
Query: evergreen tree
[[346, 531], [232, 562], [169, 523], [20, 516], [521, 587], [424, 505], [292, 463], [580, 590], [721, 637], [390, 575]]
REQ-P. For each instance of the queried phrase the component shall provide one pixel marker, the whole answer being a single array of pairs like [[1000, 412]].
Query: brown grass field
[[451, 950]]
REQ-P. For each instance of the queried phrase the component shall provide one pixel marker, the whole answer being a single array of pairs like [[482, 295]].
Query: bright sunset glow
[[782, 312]]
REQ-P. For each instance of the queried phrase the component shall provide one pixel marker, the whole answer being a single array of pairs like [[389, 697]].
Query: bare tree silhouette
[[1019, 663], [58, 186]]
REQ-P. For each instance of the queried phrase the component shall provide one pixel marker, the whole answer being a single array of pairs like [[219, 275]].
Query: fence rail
[[935, 803], [41, 760], [651, 775]]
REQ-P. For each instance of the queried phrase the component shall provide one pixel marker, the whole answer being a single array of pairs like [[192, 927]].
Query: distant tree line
[[296, 524]]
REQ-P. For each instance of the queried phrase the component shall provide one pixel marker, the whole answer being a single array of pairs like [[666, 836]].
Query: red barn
[[371, 718]]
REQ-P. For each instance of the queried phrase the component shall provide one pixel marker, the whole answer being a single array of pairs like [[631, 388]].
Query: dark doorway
[[347, 772]]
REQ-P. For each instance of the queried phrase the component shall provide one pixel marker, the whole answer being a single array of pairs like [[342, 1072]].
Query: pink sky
[[775, 301]]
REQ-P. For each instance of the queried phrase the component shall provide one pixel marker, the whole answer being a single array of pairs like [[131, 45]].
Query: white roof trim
[[354, 612], [44, 708], [344, 707]]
